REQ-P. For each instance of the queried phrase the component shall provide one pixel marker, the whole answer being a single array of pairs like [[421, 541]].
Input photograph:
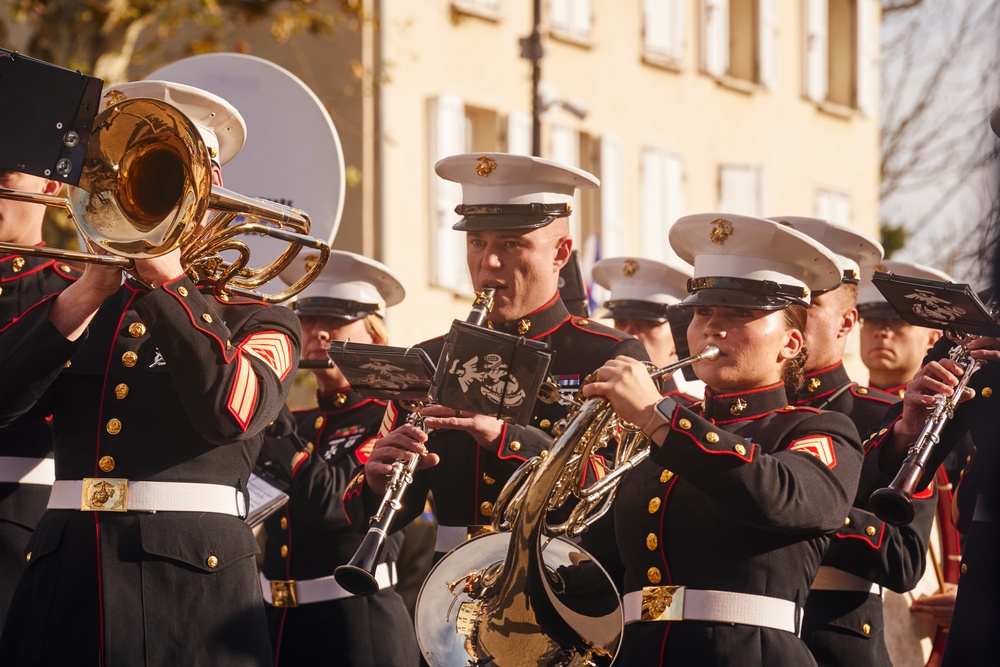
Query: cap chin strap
[[756, 287]]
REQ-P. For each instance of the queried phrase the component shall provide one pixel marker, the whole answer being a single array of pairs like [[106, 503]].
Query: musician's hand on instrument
[[158, 270], [627, 384], [984, 348], [486, 430], [940, 606], [402, 444]]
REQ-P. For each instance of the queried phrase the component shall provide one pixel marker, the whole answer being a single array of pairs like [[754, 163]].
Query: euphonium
[[528, 596], [358, 575], [894, 503], [144, 190]]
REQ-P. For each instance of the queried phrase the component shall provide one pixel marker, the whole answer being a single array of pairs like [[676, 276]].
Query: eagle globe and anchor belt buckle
[[106, 494]]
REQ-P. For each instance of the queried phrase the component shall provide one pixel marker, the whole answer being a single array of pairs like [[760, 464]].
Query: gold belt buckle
[[476, 530], [662, 603], [104, 494], [284, 593]]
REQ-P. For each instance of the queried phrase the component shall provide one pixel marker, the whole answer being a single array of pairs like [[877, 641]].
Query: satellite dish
[[293, 153]]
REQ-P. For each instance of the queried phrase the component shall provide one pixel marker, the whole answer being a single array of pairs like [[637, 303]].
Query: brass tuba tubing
[[894, 503], [358, 575]]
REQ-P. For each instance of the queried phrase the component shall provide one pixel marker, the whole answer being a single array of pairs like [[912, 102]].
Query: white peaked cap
[[641, 288], [856, 253], [741, 261], [221, 126], [349, 287]]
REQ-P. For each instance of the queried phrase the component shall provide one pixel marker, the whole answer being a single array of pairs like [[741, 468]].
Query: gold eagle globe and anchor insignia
[[656, 600], [485, 165], [723, 230], [104, 495], [737, 407], [631, 266]]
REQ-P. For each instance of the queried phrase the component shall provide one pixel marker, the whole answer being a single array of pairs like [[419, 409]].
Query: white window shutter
[[833, 207], [740, 190], [612, 197], [767, 26], [448, 130], [656, 27], [566, 149], [581, 25], [519, 133], [651, 180], [673, 205], [559, 14], [867, 56], [715, 37], [817, 51]]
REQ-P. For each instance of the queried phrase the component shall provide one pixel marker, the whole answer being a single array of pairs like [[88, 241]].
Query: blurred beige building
[[762, 107]]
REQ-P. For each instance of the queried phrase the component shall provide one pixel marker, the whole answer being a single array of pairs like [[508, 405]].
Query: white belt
[[105, 494], [24, 470], [679, 603], [292, 592], [449, 537], [834, 579], [983, 512]]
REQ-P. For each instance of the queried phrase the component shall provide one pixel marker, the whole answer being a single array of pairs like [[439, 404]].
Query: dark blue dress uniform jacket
[[972, 638], [742, 496], [172, 385], [24, 281], [847, 627], [311, 537], [468, 480]]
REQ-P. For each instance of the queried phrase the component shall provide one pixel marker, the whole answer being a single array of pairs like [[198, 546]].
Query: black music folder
[[385, 372], [937, 304]]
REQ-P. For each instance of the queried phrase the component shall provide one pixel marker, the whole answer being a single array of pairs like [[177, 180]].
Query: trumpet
[[894, 503], [357, 576], [144, 191]]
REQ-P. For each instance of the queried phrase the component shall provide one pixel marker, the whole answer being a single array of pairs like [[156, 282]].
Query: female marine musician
[[721, 531], [309, 613]]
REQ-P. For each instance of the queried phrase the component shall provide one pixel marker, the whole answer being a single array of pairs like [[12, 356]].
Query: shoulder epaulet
[[873, 394], [800, 408], [67, 271], [590, 326]]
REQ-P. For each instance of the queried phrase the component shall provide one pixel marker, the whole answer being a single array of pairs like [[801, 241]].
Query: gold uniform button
[[666, 476], [515, 446], [223, 296], [581, 322], [284, 523], [847, 521], [137, 329], [27, 557], [653, 574], [318, 423], [340, 399], [545, 423], [121, 391], [862, 390], [964, 568], [488, 479], [206, 317], [67, 364], [212, 562], [867, 629], [712, 437], [229, 344], [654, 505], [129, 359], [987, 392], [1, 290], [17, 264], [652, 542], [486, 509], [684, 424], [114, 426], [64, 268], [284, 551], [740, 449], [870, 531], [107, 463], [182, 290]]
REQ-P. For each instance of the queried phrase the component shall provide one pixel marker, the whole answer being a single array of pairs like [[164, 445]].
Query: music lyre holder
[[937, 304]]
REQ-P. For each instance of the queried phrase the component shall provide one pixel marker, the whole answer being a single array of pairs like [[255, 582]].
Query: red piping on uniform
[[666, 565], [746, 459], [759, 390], [543, 334], [48, 298], [875, 545]]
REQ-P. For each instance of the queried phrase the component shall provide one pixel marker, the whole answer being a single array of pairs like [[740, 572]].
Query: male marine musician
[[515, 215]]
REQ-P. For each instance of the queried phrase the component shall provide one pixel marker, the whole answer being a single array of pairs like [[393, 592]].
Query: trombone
[[145, 189]]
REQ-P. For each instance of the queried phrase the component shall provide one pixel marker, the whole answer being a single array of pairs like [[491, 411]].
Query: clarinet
[[358, 575], [894, 503]]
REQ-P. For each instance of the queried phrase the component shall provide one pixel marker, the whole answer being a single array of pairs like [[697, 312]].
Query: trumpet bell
[[565, 613], [145, 182]]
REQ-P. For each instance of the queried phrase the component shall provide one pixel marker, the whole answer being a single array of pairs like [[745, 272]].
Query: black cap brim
[[627, 309], [502, 223], [880, 310], [318, 306], [731, 298]]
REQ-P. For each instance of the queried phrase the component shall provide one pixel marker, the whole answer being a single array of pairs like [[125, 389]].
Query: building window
[[662, 200], [738, 41], [572, 19], [840, 43], [454, 128], [663, 31], [741, 190], [833, 207], [489, 8], [611, 237]]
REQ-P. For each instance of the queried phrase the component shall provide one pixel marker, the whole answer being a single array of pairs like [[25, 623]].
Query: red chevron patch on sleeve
[[388, 420], [820, 446], [243, 395], [273, 348]]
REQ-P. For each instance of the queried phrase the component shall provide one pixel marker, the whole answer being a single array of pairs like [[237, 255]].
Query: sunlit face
[[21, 222], [831, 316], [655, 337], [890, 345], [753, 347], [523, 266]]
